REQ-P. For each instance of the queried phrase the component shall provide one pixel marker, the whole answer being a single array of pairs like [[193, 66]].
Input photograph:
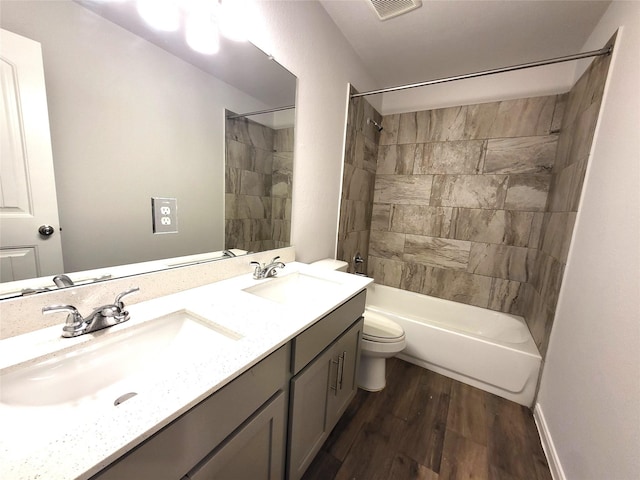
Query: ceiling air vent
[[386, 9]]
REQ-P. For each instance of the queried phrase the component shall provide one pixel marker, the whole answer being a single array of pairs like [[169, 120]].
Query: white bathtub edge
[[547, 444], [524, 397], [435, 341]]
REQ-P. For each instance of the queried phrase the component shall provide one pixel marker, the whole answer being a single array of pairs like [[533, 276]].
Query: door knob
[[46, 230]]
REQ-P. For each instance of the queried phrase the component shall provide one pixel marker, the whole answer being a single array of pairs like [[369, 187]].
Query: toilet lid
[[380, 328]]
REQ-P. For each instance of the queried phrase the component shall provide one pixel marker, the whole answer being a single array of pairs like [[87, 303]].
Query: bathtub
[[489, 350]]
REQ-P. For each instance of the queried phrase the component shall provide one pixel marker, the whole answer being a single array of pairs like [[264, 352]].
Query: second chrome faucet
[[266, 270]]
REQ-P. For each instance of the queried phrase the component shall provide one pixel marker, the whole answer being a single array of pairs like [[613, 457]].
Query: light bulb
[[201, 32], [235, 19], [160, 14]]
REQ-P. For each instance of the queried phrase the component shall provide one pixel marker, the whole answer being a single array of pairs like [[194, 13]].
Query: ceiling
[[452, 37]]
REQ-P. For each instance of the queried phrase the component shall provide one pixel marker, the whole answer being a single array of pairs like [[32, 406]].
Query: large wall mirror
[[135, 114]]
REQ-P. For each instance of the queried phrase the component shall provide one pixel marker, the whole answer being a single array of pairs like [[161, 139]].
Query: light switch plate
[[165, 215]]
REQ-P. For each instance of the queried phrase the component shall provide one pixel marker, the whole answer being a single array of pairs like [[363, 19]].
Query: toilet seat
[[379, 328]]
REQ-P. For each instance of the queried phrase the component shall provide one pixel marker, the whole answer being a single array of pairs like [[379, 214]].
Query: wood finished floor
[[426, 426]]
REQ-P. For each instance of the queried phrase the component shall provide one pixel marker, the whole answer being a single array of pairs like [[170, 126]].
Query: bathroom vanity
[[260, 405], [238, 432], [324, 381]]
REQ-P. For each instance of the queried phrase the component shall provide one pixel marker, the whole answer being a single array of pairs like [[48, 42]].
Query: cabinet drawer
[[315, 339], [174, 450]]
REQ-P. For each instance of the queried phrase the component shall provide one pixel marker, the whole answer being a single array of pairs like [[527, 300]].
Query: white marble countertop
[[66, 441]]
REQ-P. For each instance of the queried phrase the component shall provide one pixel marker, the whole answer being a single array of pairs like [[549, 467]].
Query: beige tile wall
[[258, 174], [550, 257], [459, 198], [282, 183], [361, 152]]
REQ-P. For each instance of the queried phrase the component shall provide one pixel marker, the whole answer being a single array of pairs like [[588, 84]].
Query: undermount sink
[[295, 287], [107, 366]]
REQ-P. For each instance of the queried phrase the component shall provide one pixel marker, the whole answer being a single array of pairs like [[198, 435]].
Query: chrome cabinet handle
[[339, 372], [341, 359], [335, 386]]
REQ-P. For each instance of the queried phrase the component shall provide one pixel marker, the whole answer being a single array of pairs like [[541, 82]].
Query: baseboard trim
[[547, 444]]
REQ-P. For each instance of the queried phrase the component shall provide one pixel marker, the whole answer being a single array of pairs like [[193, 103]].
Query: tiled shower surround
[[550, 257], [258, 174], [459, 197], [476, 203], [360, 163]]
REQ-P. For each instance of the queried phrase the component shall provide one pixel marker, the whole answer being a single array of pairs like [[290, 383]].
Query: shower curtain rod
[[260, 112], [594, 53]]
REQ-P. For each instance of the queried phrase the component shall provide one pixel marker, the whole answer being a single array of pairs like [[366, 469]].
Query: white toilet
[[381, 338]]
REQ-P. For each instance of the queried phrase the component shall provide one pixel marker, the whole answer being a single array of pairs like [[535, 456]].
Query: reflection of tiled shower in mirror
[[258, 185]]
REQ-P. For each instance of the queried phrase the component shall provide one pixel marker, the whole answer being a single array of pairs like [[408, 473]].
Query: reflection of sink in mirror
[[126, 359], [294, 288]]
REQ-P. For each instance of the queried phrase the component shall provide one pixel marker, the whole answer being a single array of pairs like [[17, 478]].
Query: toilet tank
[[331, 264]]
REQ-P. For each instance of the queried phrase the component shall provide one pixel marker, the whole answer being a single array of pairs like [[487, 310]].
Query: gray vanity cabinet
[[288, 403], [255, 451], [322, 390], [249, 413]]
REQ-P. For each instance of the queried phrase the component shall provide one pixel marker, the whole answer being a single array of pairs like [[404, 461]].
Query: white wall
[[589, 399], [303, 38]]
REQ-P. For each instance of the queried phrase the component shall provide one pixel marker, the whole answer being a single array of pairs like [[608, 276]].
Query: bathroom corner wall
[[258, 174], [459, 199], [549, 258], [361, 152]]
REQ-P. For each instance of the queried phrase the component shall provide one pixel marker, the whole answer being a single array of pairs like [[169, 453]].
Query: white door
[[28, 203]]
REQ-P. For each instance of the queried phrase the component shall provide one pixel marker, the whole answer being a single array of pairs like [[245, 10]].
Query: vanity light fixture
[[201, 27], [161, 15], [235, 20], [203, 20]]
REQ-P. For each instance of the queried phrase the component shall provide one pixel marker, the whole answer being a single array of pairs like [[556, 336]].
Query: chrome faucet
[[266, 271], [102, 317]]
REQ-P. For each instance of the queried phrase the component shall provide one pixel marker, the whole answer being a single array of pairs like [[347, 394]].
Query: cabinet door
[[255, 451], [319, 396], [342, 388], [307, 422]]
